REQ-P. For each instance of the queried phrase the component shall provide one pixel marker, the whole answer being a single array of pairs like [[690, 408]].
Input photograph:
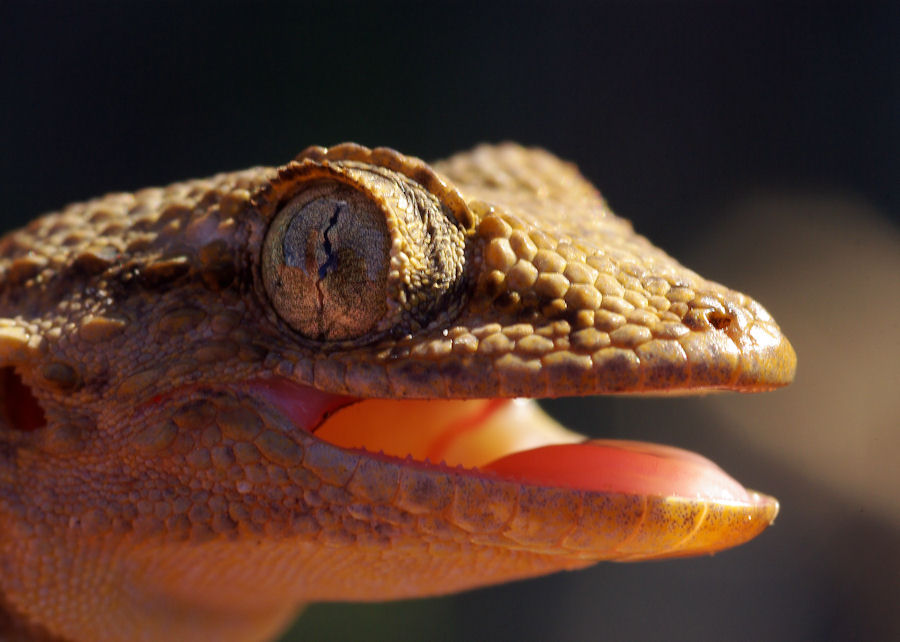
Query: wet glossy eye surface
[[326, 262]]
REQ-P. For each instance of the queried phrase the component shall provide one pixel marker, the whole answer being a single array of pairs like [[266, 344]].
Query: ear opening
[[19, 408]]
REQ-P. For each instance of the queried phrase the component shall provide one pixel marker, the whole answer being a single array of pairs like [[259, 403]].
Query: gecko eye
[[325, 263], [362, 244]]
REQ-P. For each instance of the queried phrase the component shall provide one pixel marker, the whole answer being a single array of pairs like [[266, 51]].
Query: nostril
[[719, 320], [19, 405]]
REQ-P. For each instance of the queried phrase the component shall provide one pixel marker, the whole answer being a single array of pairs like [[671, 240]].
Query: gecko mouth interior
[[510, 438]]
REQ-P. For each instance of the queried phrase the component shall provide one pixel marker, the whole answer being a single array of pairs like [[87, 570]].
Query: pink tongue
[[629, 467]]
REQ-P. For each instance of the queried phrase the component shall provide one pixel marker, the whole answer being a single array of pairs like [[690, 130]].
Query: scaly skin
[[167, 483]]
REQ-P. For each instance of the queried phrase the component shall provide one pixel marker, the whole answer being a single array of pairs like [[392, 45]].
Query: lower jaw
[[514, 442]]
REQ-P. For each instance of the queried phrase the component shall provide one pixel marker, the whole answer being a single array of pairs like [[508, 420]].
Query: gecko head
[[304, 380], [542, 292]]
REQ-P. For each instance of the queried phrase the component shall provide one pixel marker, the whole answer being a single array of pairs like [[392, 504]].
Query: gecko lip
[[510, 439]]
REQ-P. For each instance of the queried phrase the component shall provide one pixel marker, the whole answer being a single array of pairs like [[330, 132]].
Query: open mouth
[[690, 505]]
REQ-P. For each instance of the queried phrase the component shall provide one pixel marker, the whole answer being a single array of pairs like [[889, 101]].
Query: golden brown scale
[[153, 489]]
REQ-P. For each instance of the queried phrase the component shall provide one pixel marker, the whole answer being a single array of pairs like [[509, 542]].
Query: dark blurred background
[[758, 143]]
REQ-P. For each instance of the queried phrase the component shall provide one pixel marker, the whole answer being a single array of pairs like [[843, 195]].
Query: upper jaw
[[525, 355], [551, 294]]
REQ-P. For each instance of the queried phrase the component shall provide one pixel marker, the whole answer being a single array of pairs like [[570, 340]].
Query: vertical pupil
[[309, 242], [331, 261]]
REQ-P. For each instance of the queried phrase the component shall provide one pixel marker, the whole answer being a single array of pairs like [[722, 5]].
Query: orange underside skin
[[469, 493], [462, 494]]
